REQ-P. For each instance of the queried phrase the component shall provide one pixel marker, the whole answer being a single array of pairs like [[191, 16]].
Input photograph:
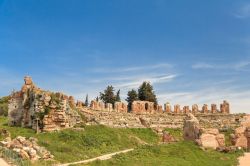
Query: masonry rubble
[[207, 138], [27, 148], [241, 136], [41, 110]]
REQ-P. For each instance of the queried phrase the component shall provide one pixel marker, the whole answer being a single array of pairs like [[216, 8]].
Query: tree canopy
[[109, 96], [146, 92], [132, 96]]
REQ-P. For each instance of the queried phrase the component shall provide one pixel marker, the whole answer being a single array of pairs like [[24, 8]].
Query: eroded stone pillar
[[213, 108], [167, 107], [186, 110], [177, 109], [205, 109], [195, 109]]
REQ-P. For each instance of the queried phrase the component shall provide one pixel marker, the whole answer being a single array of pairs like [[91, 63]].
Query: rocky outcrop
[[41, 110], [191, 129], [211, 138], [207, 138], [241, 136], [167, 137], [27, 148]]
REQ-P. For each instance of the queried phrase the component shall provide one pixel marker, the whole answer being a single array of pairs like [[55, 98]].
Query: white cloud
[[241, 65], [202, 65], [131, 69], [153, 80], [243, 12]]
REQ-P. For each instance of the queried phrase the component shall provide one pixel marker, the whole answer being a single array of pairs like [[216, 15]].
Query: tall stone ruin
[[41, 110], [143, 107], [167, 107]]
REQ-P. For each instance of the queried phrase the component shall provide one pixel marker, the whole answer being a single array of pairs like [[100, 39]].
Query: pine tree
[[118, 98], [108, 95], [132, 96], [146, 93], [87, 100]]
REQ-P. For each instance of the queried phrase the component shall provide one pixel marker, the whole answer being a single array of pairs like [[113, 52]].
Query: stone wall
[[100, 106], [41, 110], [142, 107], [159, 120], [121, 107]]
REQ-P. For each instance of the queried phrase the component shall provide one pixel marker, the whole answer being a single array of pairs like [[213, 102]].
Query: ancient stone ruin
[[241, 137], [121, 107], [205, 137], [41, 110], [100, 106], [143, 107], [27, 149], [140, 107]]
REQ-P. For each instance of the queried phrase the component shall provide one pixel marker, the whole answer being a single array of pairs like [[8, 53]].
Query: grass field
[[74, 145], [179, 154]]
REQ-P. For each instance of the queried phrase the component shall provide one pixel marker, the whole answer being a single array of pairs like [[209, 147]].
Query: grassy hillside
[[179, 154], [75, 145]]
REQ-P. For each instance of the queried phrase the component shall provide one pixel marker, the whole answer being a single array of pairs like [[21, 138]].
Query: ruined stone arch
[[146, 106]]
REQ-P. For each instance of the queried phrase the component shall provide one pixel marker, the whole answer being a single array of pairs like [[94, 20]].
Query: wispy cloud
[[236, 66], [202, 65], [243, 12], [153, 80], [131, 69]]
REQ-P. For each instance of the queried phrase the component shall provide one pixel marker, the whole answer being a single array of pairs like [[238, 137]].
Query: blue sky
[[192, 51]]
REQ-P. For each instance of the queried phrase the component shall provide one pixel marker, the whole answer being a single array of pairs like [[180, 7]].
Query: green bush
[[4, 106]]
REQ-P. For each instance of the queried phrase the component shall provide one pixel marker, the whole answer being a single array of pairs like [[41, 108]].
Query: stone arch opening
[[146, 106]]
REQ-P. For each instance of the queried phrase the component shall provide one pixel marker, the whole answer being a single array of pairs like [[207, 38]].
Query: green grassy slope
[[74, 145], [179, 154]]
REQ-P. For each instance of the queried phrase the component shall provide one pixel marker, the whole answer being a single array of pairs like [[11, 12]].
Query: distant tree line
[[145, 92]]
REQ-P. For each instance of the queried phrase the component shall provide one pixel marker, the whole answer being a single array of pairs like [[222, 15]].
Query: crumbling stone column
[[177, 109], [195, 109], [186, 110], [109, 107], [167, 107], [121, 107], [224, 107], [205, 109], [247, 134], [159, 109], [213, 108]]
